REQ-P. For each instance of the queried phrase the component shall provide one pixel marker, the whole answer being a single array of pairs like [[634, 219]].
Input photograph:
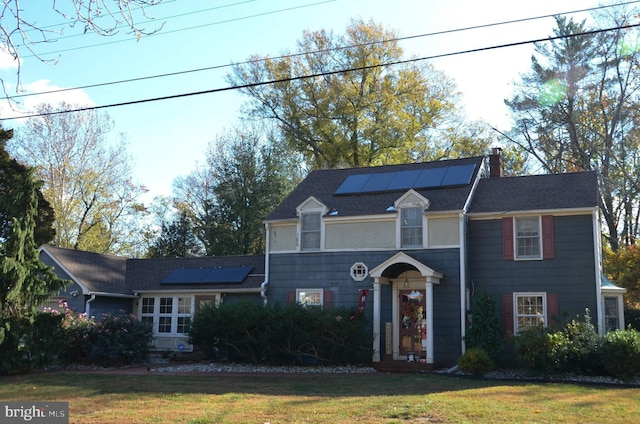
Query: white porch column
[[429, 305], [376, 320]]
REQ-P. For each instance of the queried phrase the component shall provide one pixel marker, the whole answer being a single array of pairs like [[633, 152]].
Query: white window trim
[[516, 330], [318, 291], [359, 271], [620, 305], [300, 232], [515, 239], [402, 203], [422, 226], [174, 314]]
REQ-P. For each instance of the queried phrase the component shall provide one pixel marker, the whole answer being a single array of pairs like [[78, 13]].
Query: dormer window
[[310, 230], [411, 226]]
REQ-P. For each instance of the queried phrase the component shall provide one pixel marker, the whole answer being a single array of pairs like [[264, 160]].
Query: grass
[[368, 398]]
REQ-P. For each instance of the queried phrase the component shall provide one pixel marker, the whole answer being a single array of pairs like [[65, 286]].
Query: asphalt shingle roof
[[120, 275], [147, 274], [536, 192], [99, 273], [322, 185]]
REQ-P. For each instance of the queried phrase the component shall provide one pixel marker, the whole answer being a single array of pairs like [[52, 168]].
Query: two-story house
[[419, 240], [410, 244]]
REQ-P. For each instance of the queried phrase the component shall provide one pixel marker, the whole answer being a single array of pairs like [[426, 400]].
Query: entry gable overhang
[[429, 274]]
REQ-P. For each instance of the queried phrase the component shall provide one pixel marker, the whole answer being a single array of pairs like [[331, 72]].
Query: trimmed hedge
[[289, 334]]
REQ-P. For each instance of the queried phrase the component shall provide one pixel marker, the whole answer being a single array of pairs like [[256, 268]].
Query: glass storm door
[[412, 313]]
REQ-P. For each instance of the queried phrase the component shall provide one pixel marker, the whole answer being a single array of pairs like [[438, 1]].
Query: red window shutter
[[327, 298], [548, 249], [507, 239], [553, 317], [291, 297], [507, 315]]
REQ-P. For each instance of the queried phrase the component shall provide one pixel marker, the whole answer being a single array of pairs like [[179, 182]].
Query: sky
[[166, 139]]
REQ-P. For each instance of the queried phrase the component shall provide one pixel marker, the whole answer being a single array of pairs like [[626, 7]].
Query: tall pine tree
[[25, 282]]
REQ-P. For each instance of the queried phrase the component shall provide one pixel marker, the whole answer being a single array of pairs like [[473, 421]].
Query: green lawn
[[370, 398]]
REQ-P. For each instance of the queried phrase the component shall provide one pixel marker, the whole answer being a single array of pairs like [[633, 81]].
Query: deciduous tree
[[347, 100], [87, 181]]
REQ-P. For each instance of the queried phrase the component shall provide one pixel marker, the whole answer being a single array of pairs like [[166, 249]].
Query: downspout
[[265, 284], [463, 278], [597, 247], [87, 307], [462, 221]]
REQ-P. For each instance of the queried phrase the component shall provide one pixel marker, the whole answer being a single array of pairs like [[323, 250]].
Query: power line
[[271, 12], [336, 72], [166, 18], [210, 68]]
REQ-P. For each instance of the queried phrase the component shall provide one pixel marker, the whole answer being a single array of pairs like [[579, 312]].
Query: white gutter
[[265, 284]]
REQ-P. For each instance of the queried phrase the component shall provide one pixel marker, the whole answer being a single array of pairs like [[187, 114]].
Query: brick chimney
[[496, 166]]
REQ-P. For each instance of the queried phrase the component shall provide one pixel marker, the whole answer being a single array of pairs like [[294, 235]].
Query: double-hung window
[[530, 311], [310, 229], [184, 315], [528, 240], [611, 313], [165, 315], [411, 227], [146, 313]]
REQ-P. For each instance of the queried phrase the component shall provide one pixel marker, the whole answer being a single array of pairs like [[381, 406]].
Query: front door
[[412, 313], [202, 301]]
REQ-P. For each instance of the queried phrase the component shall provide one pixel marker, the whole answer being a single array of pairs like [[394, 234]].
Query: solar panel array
[[218, 275], [445, 176]]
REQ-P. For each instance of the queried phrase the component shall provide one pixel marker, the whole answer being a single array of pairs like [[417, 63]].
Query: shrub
[[485, 332], [289, 334], [116, 340], [533, 348], [582, 351], [476, 361], [621, 353]]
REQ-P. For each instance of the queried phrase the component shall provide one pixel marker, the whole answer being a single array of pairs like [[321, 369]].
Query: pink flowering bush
[[115, 340]]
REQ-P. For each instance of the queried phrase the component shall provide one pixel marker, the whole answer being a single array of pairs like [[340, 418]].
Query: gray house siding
[[331, 271], [570, 274], [75, 303]]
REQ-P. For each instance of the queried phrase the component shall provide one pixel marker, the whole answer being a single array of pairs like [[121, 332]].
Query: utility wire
[[289, 56], [336, 72], [150, 21], [271, 12]]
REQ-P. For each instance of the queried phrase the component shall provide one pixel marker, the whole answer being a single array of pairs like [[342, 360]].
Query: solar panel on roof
[[444, 176], [457, 175], [352, 184], [430, 178], [377, 182], [217, 275], [403, 180]]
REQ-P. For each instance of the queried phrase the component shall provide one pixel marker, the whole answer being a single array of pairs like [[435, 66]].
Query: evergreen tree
[[25, 282], [484, 332]]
